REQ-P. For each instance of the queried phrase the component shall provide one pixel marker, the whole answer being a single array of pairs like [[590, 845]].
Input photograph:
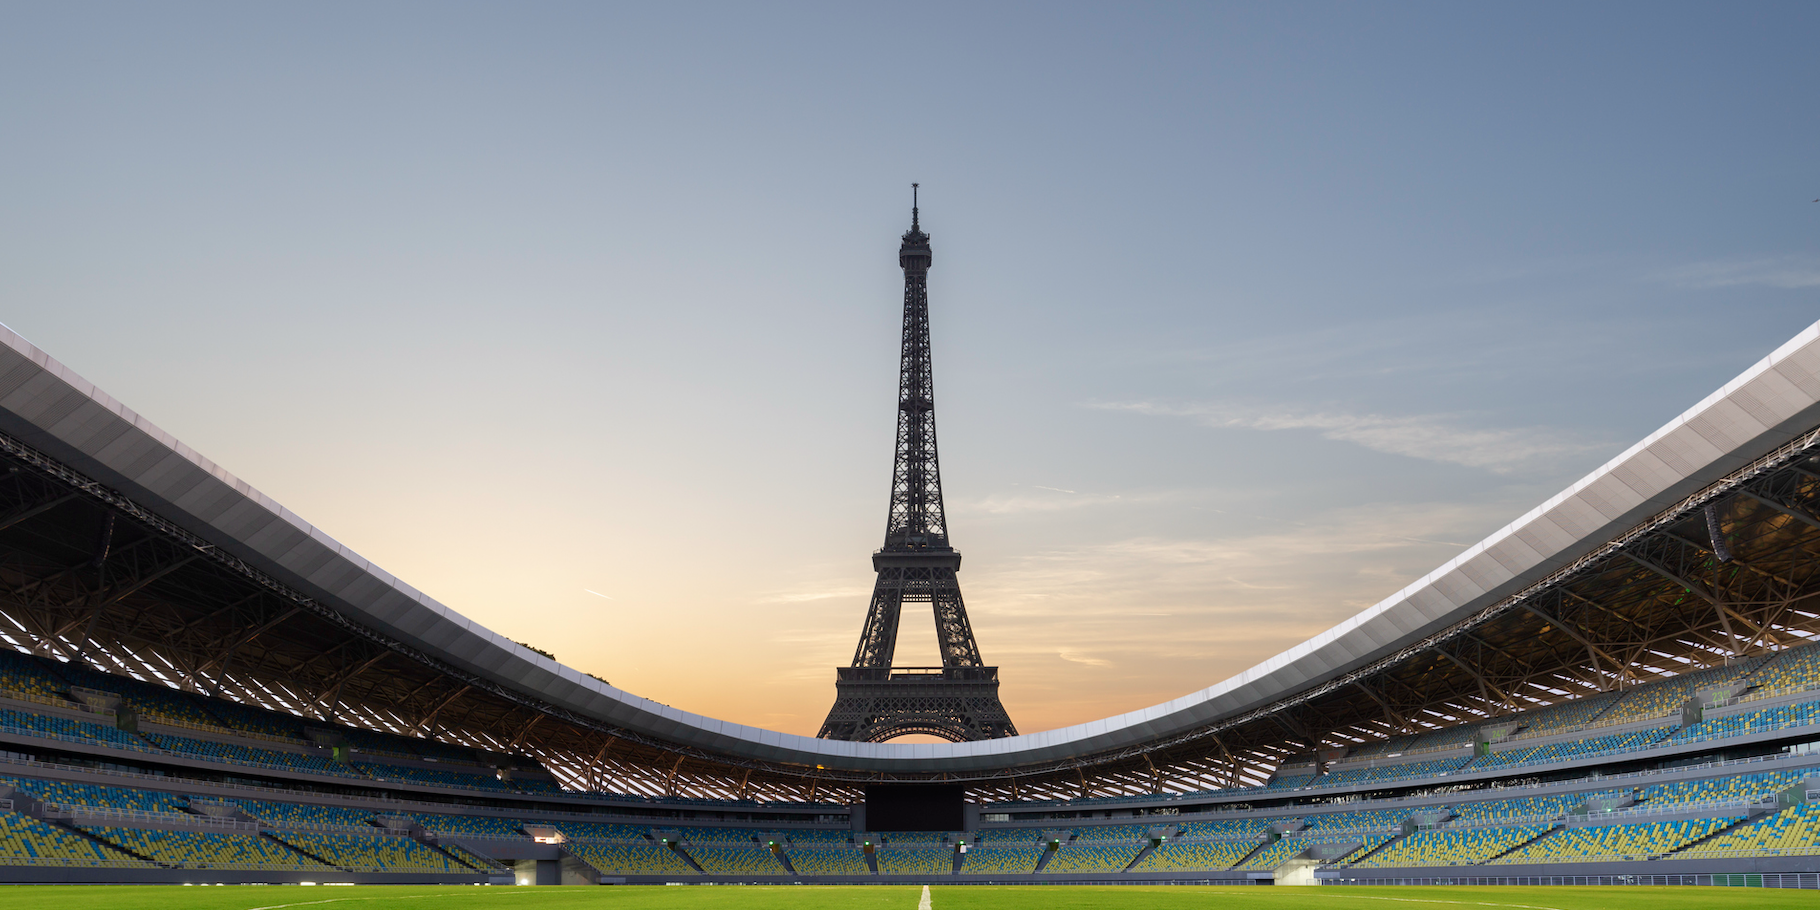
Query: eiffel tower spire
[[959, 700]]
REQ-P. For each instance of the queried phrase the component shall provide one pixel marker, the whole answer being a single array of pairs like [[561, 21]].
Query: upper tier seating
[[433, 777], [1801, 714], [1640, 841], [235, 753], [76, 794], [32, 723], [608, 831], [1528, 807], [1113, 833], [152, 700], [20, 673], [280, 815], [1572, 749], [248, 719], [819, 835], [471, 825], [1356, 821], [1794, 670], [1563, 717], [1665, 697], [1741, 786], [26, 841], [704, 834], [1252, 828], [1389, 772]]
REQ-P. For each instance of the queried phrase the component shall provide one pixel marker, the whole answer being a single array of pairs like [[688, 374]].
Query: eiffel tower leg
[[953, 633], [878, 639]]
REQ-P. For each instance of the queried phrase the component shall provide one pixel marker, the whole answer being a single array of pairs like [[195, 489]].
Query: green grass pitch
[[883, 897]]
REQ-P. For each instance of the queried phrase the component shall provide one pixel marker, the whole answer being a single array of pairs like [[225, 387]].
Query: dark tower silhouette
[[957, 701]]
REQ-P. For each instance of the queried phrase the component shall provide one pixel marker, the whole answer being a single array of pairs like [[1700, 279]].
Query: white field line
[[1409, 900], [490, 892], [923, 904]]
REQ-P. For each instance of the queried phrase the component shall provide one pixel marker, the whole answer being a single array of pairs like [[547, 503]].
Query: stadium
[[1619, 687]]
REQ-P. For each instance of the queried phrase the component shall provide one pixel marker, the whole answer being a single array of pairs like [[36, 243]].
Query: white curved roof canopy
[[49, 407]]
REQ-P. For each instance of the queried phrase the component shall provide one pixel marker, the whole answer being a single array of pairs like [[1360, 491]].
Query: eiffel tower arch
[[957, 701]]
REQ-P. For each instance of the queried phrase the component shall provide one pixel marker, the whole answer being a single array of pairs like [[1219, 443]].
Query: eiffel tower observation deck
[[957, 701]]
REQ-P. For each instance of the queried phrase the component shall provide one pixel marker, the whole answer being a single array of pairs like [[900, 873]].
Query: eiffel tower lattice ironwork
[[957, 701]]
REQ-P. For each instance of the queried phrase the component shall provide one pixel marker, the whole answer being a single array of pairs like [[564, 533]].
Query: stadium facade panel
[[49, 408]]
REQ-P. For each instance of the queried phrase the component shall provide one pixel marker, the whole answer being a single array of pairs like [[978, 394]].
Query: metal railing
[[163, 720], [75, 862], [1745, 852], [1715, 806], [327, 828], [143, 817], [84, 740], [54, 702]]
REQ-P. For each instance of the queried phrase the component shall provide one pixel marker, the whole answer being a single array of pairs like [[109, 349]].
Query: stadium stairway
[[296, 849], [1261, 846], [1551, 832], [1751, 819], [104, 842], [1148, 849], [1049, 853], [1349, 859], [687, 858]]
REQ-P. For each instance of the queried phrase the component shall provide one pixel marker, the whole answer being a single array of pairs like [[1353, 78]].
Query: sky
[[583, 318]]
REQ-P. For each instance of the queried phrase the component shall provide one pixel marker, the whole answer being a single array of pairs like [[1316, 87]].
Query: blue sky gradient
[[1245, 314]]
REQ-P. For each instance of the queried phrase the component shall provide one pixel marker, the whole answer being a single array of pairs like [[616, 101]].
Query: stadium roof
[[238, 595]]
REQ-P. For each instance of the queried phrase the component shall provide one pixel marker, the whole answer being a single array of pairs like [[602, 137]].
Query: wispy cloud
[[1433, 437], [793, 597], [1769, 271], [1019, 502]]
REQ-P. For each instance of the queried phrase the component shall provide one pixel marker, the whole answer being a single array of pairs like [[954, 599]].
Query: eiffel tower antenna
[[957, 701]]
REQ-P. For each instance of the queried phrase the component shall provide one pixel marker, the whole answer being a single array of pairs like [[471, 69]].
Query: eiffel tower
[[957, 701]]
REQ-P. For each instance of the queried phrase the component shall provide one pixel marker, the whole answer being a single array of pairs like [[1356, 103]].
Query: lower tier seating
[[206, 849], [26, 841], [1174, 856], [1792, 832], [630, 859], [831, 859], [914, 860], [1640, 841], [995, 858], [732, 860], [373, 852], [1444, 847], [1079, 857]]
